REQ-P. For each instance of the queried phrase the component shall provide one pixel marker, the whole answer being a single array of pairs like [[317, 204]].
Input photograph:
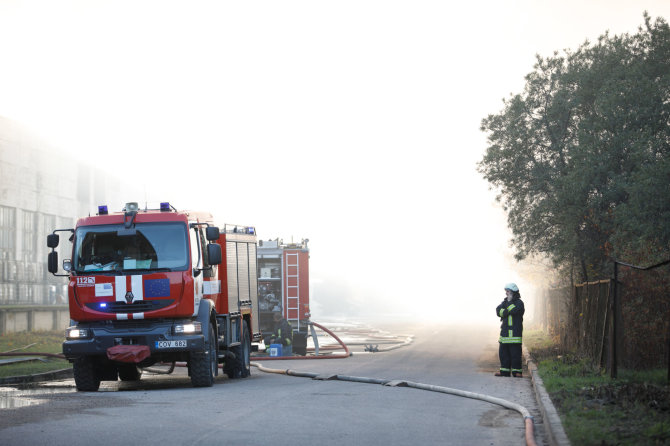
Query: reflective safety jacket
[[511, 318], [283, 332]]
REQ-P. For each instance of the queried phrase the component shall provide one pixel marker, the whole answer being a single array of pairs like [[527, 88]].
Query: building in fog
[[42, 189]]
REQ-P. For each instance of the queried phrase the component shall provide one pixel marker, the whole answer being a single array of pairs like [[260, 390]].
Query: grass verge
[[597, 410], [32, 342]]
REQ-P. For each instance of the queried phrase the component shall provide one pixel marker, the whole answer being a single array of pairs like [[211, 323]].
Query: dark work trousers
[[510, 358]]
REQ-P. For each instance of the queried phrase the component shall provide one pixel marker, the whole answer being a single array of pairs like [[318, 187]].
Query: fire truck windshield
[[153, 246]]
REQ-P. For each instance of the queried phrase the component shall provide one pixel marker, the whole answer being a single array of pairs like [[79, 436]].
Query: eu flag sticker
[[157, 288]]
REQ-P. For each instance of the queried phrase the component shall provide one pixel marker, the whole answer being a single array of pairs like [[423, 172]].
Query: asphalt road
[[274, 409]]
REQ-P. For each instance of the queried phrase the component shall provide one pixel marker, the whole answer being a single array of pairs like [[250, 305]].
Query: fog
[[354, 124]]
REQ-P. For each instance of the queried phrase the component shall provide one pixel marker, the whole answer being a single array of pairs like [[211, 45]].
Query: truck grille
[[140, 306]]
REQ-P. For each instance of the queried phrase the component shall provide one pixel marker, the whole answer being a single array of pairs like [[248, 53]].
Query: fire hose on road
[[346, 353], [528, 419], [50, 355]]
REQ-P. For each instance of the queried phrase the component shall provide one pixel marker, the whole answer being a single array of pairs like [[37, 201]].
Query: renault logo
[[129, 297]]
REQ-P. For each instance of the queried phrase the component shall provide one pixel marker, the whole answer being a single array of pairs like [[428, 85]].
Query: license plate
[[170, 344]]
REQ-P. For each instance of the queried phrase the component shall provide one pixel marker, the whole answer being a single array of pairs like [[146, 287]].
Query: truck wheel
[[203, 366], [240, 366], [129, 372], [86, 376]]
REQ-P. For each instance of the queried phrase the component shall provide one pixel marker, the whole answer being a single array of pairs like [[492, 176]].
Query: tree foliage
[[581, 157]]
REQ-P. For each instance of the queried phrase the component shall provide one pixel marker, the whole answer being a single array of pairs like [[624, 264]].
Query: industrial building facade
[[41, 189]]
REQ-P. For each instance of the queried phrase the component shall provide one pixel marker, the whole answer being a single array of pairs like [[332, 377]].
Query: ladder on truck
[[292, 291]]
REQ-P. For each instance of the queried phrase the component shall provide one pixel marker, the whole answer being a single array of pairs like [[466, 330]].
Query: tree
[[581, 156]]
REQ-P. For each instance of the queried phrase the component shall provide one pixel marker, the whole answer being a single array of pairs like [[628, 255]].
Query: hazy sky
[[352, 123]]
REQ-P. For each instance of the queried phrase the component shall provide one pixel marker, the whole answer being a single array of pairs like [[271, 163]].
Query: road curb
[[552, 421], [38, 377]]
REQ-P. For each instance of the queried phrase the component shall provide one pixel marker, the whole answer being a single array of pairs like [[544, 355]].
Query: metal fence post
[[613, 330]]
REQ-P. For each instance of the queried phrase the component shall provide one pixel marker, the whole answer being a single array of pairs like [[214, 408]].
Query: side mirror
[[214, 253], [52, 240], [212, 233], [52, 262], [67, 265], [52, 259]]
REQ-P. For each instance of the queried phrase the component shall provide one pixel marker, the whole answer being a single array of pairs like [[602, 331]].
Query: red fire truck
[[158, 285], [283, 287]]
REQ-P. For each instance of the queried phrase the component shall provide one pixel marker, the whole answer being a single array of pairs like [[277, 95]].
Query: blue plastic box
[[275, 350]]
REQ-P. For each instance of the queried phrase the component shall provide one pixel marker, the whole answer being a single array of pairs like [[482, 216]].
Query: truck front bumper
[[158, 336]]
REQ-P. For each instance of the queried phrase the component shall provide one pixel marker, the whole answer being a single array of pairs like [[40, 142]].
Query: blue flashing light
[[251, 230], [103, 305], [102, 210], [165, 207]]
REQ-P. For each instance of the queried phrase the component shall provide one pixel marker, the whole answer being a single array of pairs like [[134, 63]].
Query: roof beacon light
[[102, 210], [165, 207]]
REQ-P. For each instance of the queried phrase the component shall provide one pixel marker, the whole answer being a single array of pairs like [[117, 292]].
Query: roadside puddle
[[12, 398], [9, 399]]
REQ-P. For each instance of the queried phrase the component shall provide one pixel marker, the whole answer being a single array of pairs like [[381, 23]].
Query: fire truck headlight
[[77, 333], [190, 328]]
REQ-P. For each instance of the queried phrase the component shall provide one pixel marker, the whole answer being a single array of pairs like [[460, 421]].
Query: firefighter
[[282, 334], [510, 312]]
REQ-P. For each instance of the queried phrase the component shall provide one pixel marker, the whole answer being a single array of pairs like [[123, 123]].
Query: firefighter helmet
[[512, 287]]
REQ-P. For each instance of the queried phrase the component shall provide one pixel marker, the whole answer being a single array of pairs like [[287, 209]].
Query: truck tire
[[129, 372], [240, 367], [203, 366], [86, 376]]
